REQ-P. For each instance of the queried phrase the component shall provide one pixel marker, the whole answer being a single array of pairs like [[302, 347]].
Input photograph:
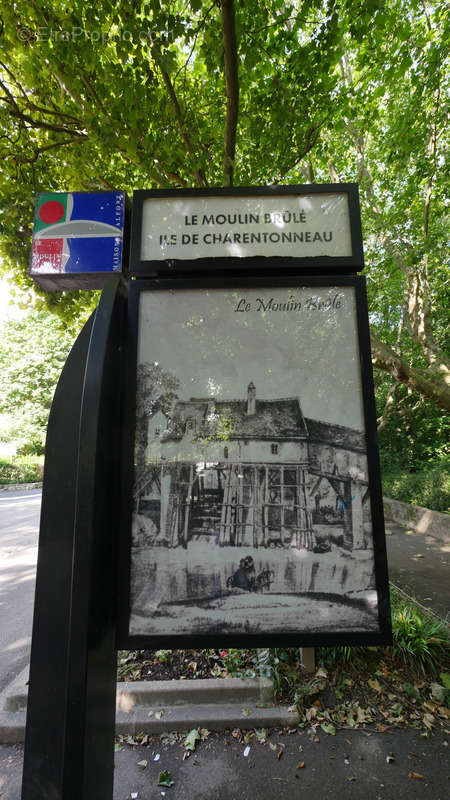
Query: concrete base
[[158, 706]]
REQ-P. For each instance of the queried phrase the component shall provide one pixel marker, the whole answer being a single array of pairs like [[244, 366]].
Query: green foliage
[[22, 469], [161, 655], [414, 434], [419, 640], [445, 678], [237, 664], [429, 487], [32, 448], [132, 96], [282, 665], [344, 654], [33, 351]]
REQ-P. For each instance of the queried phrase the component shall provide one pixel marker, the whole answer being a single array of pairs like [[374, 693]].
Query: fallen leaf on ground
[[165, 778], [191, 739], [330, 729], [375, 685], [143, 763], [280, 753], [415, 775], [300, 765], [428, 720]]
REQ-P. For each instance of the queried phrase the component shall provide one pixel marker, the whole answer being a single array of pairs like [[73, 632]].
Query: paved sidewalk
[[351, 765], [419, 563]]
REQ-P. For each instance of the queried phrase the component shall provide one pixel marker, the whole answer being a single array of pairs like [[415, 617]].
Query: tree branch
[[198, 172], [232, 85], [382, 420], [33, 106], [431, 385], [312, 136], [41, 124]]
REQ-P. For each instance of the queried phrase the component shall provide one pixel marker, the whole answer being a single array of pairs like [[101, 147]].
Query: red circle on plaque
[[51, 211]]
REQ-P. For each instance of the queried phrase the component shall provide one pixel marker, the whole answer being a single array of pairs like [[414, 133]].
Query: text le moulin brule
[[226, 236]]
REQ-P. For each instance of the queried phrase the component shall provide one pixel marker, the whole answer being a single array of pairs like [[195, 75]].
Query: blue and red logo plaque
[[77, 234]]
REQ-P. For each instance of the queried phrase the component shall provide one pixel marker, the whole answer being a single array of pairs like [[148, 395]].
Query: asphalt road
[[19, 526]]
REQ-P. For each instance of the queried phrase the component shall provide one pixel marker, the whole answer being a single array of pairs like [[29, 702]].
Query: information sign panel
[[312, 226], [77, 239], [256, 511]]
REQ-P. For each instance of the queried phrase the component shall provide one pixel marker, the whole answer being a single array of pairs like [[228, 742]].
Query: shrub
[[420, 641], [34, 447], [21, 469], [430, 487]]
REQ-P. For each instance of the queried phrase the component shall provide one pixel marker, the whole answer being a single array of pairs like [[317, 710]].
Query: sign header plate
[[305, 226], [244, 226]]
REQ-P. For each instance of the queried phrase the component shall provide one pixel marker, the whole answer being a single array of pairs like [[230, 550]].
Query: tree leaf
[[191, 739], [165, 778], [328, 728]]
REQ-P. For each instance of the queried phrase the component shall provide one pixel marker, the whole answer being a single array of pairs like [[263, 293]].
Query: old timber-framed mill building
[[253, 473]]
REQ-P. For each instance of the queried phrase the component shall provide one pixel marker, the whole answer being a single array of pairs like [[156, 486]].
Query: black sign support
[[77, 627], [71, 705]]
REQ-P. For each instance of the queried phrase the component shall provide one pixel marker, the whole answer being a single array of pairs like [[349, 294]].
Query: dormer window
[[190, 424], [225, 452], [274, 449], [157, 431]]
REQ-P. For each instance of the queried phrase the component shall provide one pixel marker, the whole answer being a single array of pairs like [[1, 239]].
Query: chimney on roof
[[251, 399]]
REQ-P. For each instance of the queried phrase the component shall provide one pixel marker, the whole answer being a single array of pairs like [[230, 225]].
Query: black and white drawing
[[251, 496]]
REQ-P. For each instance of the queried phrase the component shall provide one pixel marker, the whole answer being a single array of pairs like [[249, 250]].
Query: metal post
[[69, 745], [308, 659]]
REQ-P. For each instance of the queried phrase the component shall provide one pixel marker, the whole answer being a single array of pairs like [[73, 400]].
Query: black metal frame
[[172, 267], [384, 636]]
